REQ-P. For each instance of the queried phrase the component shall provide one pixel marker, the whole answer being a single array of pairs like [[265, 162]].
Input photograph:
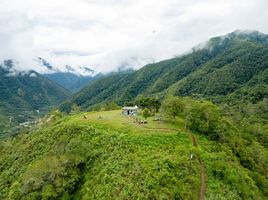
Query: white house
[[130, 110]]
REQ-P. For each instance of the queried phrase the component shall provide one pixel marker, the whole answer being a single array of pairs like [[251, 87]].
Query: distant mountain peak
[[69, 68], [243, 35], [78, 70], [8, 63], [249, 35], [247, 32], [88, 69], [45, 63], [10, 70]]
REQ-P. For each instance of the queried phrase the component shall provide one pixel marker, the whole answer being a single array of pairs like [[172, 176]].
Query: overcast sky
[[107, 34]]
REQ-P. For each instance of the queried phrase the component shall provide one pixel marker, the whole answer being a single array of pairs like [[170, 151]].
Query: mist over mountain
[[69, 77], [220, 68], [208, 105], [124, 99], [25, 95]]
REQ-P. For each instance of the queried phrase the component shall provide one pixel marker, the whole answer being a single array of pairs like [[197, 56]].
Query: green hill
[[105, 155], [221, 70], [25, 96]]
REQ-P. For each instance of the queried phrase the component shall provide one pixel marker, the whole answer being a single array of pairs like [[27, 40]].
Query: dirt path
[[202, 189]]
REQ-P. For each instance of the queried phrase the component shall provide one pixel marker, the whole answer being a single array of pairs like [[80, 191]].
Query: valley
[[25, 96], [194, 127]]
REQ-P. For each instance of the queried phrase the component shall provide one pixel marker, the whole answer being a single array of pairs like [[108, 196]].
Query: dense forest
[[25, 96]]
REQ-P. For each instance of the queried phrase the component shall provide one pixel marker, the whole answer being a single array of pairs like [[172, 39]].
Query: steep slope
[[221, 67], [83, 81], [25, 95], [103, 89], [229, 71], [65, 79], [71, 81]]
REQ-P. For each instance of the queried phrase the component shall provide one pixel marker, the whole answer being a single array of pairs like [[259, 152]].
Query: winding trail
[[203, 176], [202, 189]]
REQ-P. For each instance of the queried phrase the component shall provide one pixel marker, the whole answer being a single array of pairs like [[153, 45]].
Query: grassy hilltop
[[105, 155]]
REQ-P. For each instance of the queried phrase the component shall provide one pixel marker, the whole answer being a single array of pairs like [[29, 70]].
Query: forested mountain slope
[[222, 68], [25, 95], [71, 81]]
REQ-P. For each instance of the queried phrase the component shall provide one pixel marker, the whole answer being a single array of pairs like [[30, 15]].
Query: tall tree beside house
[[146, 113], [151, 103]]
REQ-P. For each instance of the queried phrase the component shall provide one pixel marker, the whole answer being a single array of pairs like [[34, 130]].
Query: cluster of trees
[[244, 133], [202, 117], [151, 103]]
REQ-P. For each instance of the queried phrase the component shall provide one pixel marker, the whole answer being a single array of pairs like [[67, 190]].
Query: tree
[[154, 104], [145, 113], [110, 106], [151, 103], [205, 118], [75, 109], [173, 106]]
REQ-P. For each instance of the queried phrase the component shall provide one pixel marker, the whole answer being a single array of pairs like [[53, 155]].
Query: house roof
[[130, 108]]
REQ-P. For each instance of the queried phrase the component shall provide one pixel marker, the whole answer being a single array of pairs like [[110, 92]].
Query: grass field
[[116, 120]]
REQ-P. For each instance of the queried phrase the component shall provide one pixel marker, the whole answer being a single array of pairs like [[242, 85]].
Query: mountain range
[[230, 68], [69, 78], [71, 81], [25, 95], [201, 131]]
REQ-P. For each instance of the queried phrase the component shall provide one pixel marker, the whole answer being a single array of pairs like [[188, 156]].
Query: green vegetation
[[231, 68], [25, 96], [98, 158], [106, 155], [151, 103], [146, 113], [211, 141], [70, 81], [233, 136]]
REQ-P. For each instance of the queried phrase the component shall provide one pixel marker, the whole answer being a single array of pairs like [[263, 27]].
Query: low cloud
[[108, 34]]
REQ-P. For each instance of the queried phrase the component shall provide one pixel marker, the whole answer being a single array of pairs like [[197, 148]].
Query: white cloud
[[106, 34]]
